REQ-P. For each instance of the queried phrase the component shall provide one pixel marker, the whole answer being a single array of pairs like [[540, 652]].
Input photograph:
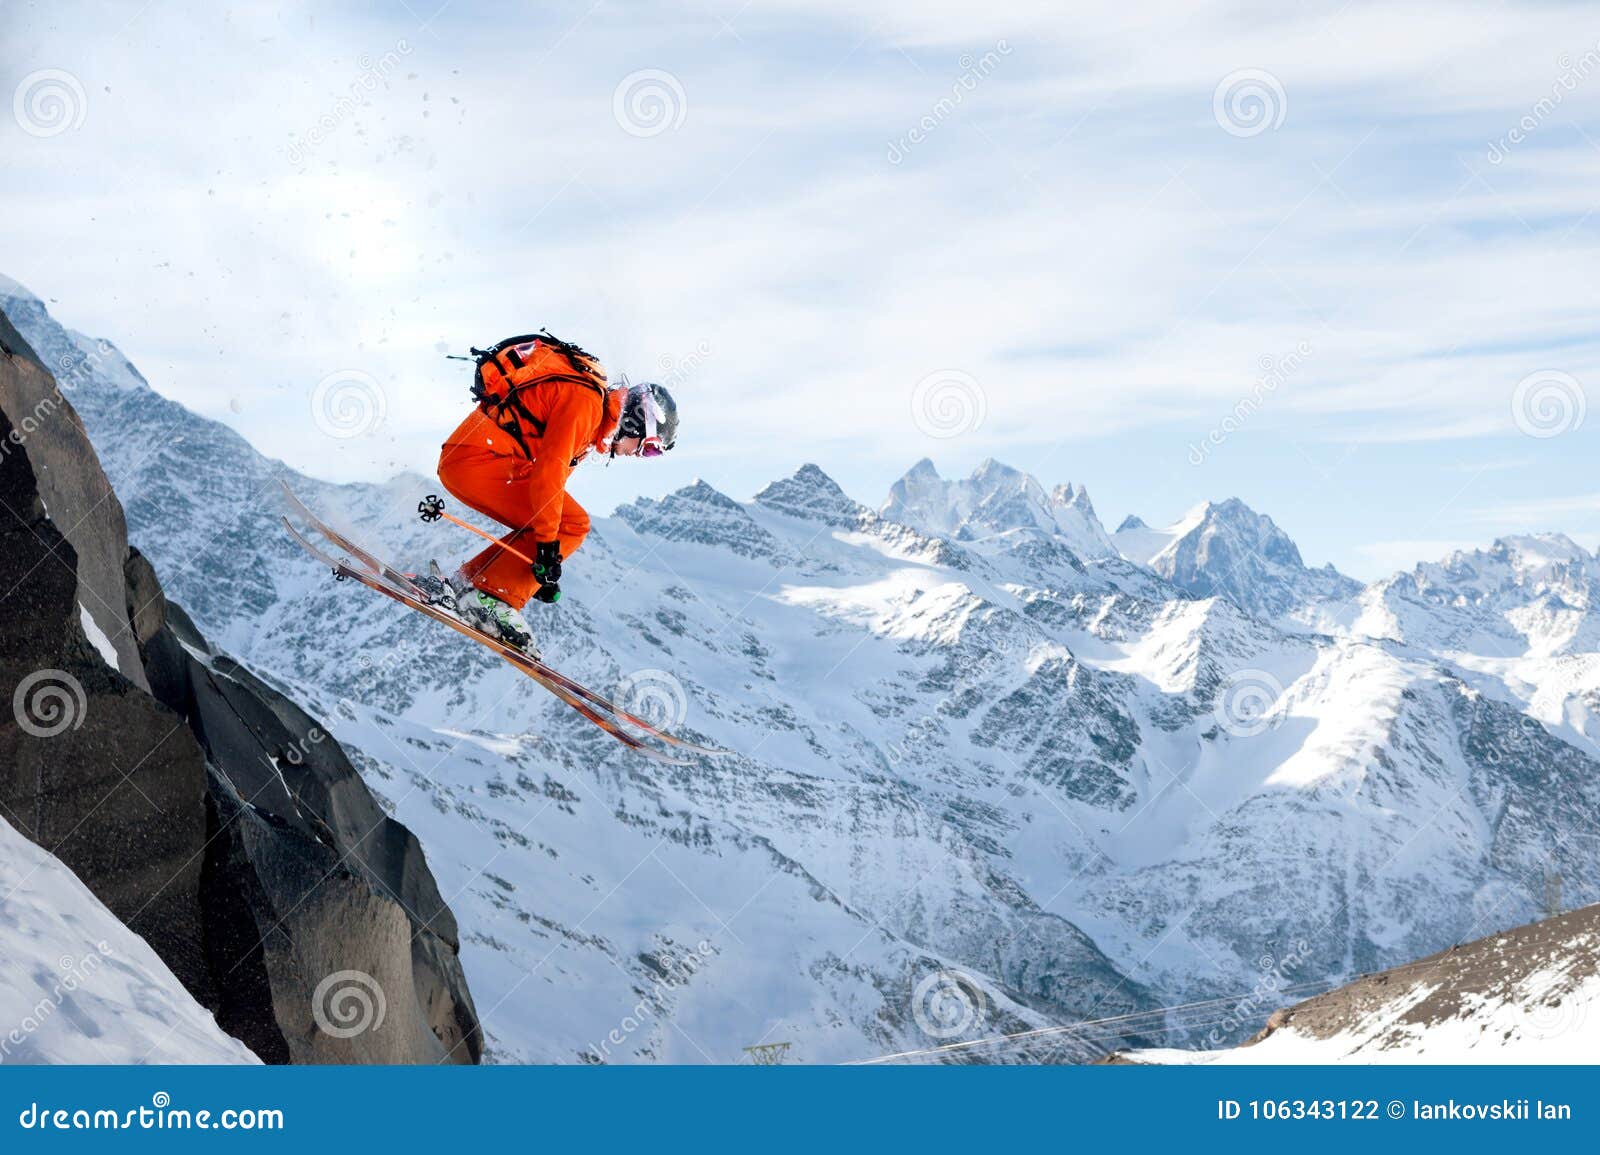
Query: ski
[[403, 582], [617, 711], [374, 581], [371, 560]]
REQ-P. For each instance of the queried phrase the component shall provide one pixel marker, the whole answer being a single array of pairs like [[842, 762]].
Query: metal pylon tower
[[767, 1054]]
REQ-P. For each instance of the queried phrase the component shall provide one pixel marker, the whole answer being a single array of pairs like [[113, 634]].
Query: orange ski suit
[[482, 465]]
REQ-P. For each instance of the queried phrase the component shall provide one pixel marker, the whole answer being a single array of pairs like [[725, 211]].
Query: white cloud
[[1078, 235], [1543, 513]]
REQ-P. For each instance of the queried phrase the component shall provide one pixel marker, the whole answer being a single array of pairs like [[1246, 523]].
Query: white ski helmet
[[650, 414]]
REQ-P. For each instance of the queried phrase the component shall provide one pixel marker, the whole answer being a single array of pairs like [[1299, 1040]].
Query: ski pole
[[431, 508]]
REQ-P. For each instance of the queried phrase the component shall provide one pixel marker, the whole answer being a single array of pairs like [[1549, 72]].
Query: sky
[[1337, 260]]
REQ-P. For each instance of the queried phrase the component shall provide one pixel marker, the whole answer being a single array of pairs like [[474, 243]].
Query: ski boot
[[482, 611]]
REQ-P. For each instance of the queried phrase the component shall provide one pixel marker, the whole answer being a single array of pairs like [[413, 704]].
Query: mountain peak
[[1235, 510], [701, 514], [76, 359], [1075, 496], [1226, 549], [998, 472], [1526, 552], [811, 494], [16, 291], [703, 492], [813, 476], [1548, 545], [1132, 521], [995, 498], [1479, 600]]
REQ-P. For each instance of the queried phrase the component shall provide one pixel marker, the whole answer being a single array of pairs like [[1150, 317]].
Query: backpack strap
[[497, 408], [515, 401]]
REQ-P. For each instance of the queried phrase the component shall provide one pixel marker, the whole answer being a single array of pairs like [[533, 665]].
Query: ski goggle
[[651, 444]]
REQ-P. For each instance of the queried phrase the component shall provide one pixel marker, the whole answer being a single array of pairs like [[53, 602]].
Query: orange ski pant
[[500, 486]]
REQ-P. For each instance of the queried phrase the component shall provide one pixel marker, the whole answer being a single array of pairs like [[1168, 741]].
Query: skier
[[542, 406]]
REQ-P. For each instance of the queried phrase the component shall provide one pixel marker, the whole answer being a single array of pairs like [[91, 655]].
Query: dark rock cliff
[[205, 809]]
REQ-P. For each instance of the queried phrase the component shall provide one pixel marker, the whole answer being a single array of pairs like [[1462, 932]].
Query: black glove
[[547, 562], [547, 568]]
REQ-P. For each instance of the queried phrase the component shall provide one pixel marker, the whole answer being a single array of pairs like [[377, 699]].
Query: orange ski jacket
[[560, 420]]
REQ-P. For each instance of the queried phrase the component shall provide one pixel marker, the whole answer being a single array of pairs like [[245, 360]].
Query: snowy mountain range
[[997, 768]]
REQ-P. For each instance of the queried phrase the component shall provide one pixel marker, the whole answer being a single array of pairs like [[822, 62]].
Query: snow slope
[[1530, 995], [76, 986]]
